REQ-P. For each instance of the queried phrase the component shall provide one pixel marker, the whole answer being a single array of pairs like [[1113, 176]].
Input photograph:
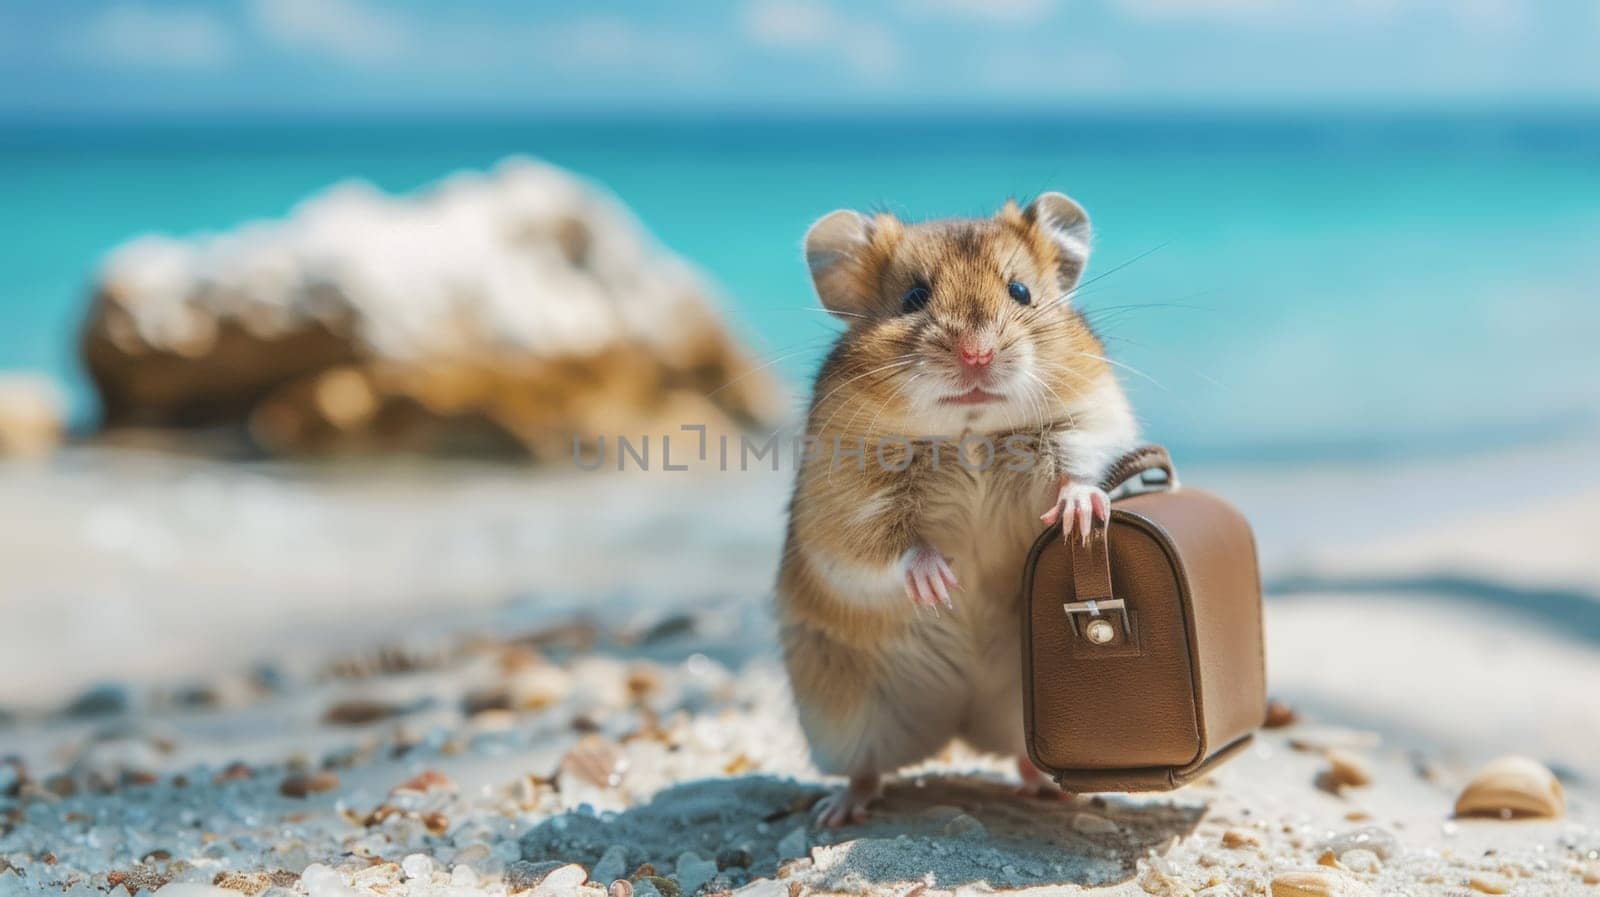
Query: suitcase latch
[[1099, 621]]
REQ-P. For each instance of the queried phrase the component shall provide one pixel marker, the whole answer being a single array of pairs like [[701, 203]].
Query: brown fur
[[846, 653]]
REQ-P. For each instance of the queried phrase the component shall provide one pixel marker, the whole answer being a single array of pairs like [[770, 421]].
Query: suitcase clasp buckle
[[1097, 626]]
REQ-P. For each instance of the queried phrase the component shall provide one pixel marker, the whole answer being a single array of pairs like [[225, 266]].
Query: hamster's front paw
[[929, 578], [1077, 506]]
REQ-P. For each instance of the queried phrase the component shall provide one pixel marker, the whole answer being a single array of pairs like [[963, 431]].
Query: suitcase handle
[[1145, 459], [1098, 616]]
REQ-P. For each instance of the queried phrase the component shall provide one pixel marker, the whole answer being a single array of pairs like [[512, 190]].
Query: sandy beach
[[442, 679]]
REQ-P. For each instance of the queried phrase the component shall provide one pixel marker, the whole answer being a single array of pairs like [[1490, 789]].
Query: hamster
[[897, 595]]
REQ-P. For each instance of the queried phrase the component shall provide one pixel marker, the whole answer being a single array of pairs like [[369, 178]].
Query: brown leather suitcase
[[1142, 652]]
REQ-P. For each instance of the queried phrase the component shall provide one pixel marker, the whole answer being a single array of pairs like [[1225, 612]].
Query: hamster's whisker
[[1037, 379], [1115, 268], [761, 367], [873, 424], [1005, 269], [1199, 374], [909, 358], [893, 367], [1127, 367], [1075, 375], [861, 406], [1140, 306], [1080, 286], [829, 311]]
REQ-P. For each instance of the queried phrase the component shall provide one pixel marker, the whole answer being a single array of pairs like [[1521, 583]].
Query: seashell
[[595, 759], [1511, 787], [1315, 883]]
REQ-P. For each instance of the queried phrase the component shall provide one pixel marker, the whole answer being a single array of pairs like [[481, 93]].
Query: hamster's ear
[[1066, 225], [840, 250]]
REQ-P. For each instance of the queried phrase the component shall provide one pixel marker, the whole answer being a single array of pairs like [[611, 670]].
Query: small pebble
[[763, 887], [1489, 883], [963, 825], [1279, 715], [1346, 770], [322, 881], [664, 886], [693, 871], [360, 712], [196, 889], [795, 844], [613, 864], [561, 882], [101, 700], [418, 865], [524, 875], [1360, 860], [620, 888], [1090, 824], [1380, 841], [1234, 839], [735, 857], [301, 786]]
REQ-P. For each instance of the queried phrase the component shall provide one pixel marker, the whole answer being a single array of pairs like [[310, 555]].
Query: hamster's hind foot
[[1036, 784], [929, 578], [848, 805]]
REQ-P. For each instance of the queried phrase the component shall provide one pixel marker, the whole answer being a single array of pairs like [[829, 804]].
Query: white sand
[[1401, 619]]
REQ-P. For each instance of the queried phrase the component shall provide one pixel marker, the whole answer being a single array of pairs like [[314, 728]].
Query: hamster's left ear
[[841, 250], [1066, 225]]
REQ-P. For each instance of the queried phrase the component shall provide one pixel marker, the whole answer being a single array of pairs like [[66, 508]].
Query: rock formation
[[488, 314]]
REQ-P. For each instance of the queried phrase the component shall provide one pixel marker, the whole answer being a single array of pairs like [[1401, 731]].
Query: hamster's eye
[[1019, 292], [915, 299]]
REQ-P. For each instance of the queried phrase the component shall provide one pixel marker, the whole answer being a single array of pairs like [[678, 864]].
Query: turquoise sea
[[1288, 286]]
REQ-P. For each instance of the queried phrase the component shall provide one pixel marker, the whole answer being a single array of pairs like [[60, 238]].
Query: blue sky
[[176, 58]]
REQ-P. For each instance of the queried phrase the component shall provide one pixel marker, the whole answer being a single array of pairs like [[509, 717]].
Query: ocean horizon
[[1279, 285]]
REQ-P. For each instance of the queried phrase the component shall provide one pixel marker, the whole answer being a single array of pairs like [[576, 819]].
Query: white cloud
[[1226, 10], [1477, 16], [141, 35], [344, 29], [1010, 12], [612, 43], [803, 27]]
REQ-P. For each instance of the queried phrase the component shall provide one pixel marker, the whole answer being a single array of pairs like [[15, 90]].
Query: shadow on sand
[[946, 831]]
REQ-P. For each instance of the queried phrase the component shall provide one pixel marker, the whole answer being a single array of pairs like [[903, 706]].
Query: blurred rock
[[496, 314], [32, 416]]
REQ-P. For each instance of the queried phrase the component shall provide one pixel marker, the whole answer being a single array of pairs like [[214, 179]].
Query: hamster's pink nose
[[974, 355]]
